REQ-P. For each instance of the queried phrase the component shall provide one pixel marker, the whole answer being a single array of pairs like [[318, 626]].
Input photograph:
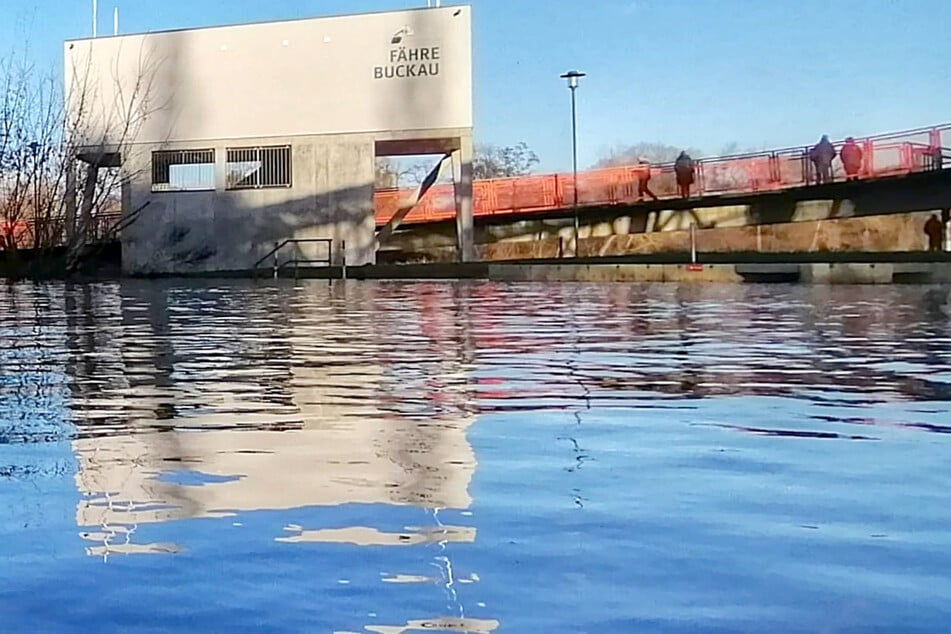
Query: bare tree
[[386, 176], [42, 134], [492, 161], [28, 126], [102, 132], [656, 153], [396, 172]]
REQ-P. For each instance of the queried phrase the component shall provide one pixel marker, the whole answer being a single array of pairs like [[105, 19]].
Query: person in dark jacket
[[851, 155], [934, 229], [937, 158], [822, 155], [643, 179], [684, 168]]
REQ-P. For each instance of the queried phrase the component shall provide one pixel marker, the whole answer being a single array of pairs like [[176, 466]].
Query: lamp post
[[37, 230], [572, 77]]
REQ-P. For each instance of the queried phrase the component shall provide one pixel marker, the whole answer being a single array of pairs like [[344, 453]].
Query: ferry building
[[233, 140]]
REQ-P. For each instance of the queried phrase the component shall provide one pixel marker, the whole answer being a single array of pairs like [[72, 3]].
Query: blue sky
[[701, 73]]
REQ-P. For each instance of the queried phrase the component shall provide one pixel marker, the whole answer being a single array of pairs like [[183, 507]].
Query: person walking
[[643, 179], [822, 155], [934, 229], [851, 156], [937, 158], [684, 170]]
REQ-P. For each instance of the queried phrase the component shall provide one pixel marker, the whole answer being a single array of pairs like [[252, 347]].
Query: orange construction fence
[[883, 155]]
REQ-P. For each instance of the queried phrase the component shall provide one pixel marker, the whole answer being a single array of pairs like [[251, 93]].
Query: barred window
[[183, 170], [258, 167]]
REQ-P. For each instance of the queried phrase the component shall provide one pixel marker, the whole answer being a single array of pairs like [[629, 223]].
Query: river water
[[476, 457]]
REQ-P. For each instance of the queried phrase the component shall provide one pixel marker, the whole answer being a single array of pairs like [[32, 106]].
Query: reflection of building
[[238, 138], [302, 415], [357, 461], [333, 454], [200, 414], [362, 536]]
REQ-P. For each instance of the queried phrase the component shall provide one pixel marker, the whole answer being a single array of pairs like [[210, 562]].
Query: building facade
[[235, 140]]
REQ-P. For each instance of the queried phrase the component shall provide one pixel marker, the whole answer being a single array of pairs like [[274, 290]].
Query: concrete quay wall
[[833, 273], [863, 234]]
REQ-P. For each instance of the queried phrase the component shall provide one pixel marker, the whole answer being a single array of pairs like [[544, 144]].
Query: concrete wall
[[218, 230], [331, 88], [878, 215], [874, 233], [553, 239], [202, 231], [302, 77]]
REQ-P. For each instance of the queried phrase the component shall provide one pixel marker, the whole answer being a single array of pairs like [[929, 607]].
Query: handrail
[[273, 252], [889, 154]]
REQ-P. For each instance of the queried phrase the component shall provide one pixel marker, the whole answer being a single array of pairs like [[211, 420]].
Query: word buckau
[[410, 62]]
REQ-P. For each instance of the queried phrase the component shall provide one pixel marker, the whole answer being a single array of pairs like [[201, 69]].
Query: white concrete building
[[232, 140]]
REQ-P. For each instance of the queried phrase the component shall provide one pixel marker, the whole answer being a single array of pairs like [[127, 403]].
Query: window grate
[[183, 170], [258, 167]]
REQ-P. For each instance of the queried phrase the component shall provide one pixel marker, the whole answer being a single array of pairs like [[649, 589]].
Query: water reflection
[[335, 425], [193, 410], [205, 401], [363, 536], [470, 626], [280, 409]]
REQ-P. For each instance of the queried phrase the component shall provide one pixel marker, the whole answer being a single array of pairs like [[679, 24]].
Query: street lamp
[[572, 77], [37, 231]]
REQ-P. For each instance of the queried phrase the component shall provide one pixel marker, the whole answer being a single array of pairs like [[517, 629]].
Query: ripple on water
[[473, 457]]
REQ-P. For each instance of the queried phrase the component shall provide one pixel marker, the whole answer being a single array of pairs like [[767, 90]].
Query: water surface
[[477, 457]]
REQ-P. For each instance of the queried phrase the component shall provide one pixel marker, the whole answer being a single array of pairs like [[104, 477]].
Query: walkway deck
[[718, 178]]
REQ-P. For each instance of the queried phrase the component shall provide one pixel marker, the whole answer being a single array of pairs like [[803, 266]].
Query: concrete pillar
[[125, 192], [462, 184], [89, 194], [70, 202]]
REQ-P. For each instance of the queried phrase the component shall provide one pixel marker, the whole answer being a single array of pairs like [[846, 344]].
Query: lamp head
[[572, 76]]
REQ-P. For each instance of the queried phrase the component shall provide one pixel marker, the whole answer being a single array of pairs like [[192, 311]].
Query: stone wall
[[870, 234]]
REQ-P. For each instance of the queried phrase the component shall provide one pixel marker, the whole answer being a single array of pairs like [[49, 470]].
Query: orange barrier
[[23, 234], [14, 235], [883, 155]]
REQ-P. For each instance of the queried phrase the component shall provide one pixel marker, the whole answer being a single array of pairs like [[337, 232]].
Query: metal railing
[[892, 154], [298, 258]]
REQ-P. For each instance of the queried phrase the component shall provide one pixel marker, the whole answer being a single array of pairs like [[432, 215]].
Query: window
[[183, 170], [259, 167]]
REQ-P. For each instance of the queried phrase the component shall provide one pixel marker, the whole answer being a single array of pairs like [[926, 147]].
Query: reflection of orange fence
[[884, 155]]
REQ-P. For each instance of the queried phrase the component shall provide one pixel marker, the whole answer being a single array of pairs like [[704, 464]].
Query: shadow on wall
[[410, 95], [926, 191], [208, 231], [222, 231], [201, 232]]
